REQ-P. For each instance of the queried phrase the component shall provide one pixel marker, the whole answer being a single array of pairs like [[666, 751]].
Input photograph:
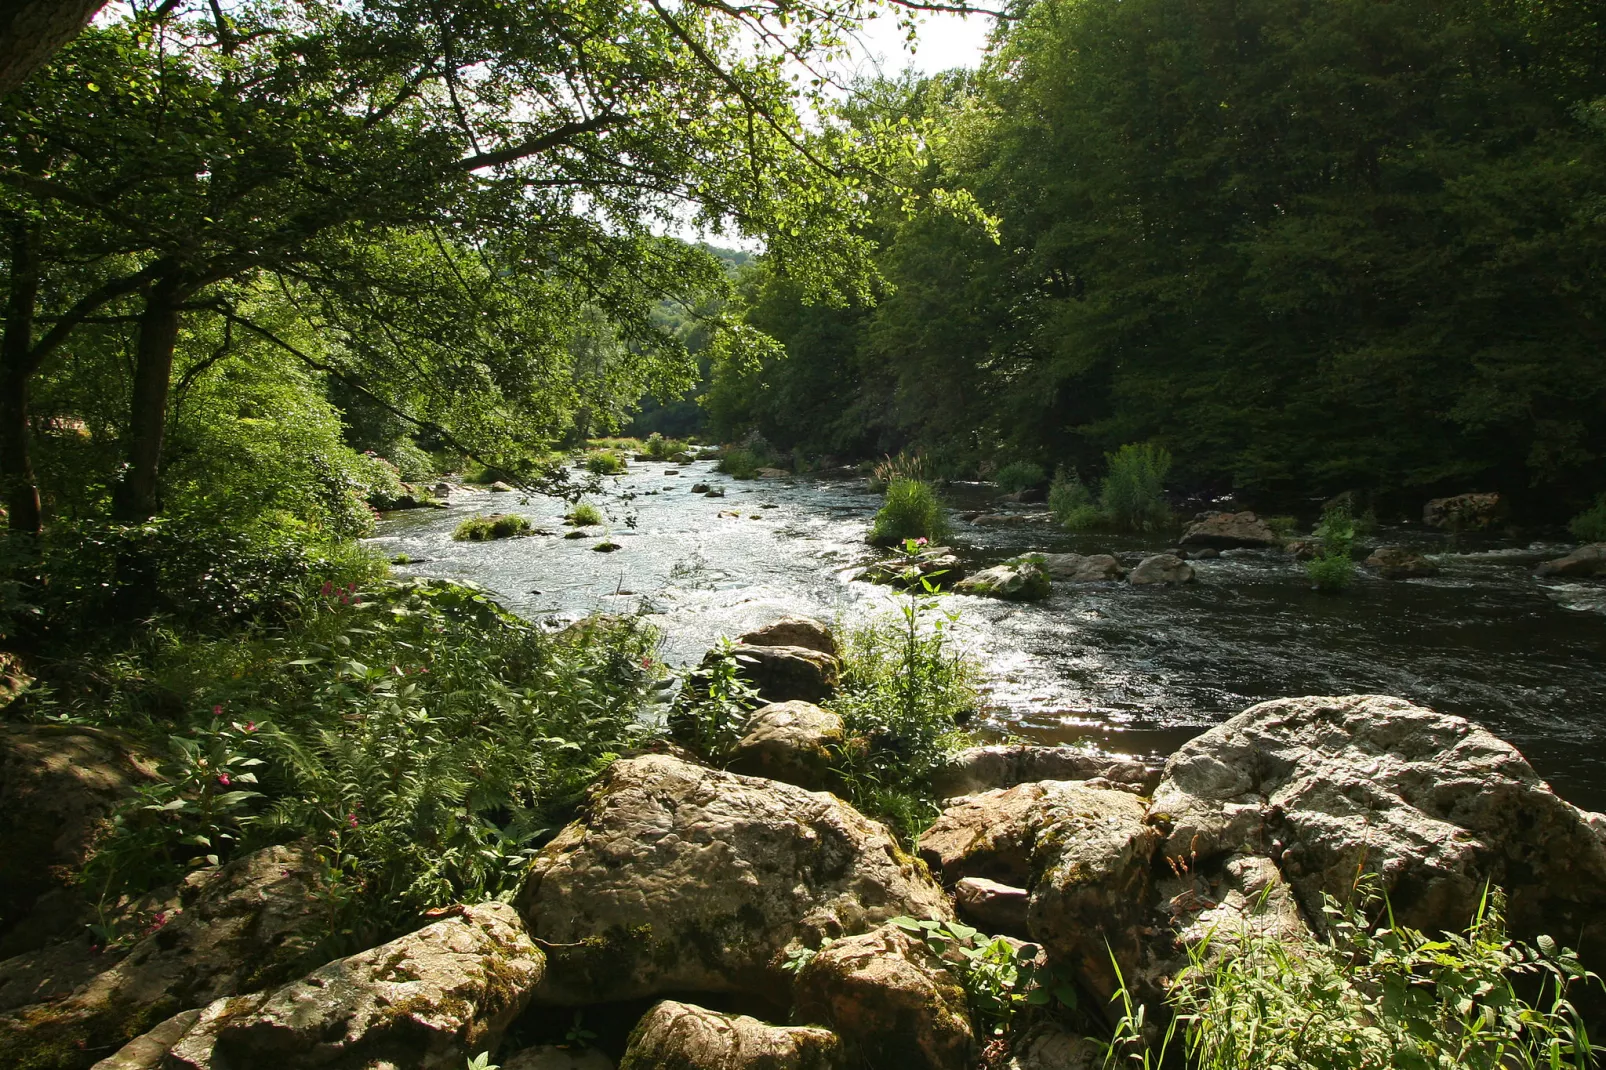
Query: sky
[[946, 41]]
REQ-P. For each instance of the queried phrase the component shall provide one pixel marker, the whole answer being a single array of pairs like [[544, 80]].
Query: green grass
[[1071, 503], [496, 526], [660, 448], [911, 510], [628, 445], [1019, 475], [604, 463], [890, 469], [583, 515], [1333, 567], [1131, 494]]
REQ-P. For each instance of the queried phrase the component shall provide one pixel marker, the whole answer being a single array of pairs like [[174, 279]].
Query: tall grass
[[1019, 475], [583, 515], [890, 469], [1590, 525], [1132, 493], [741, 462], [1333, 567], [604, 463], [660, 448], [496, 526], [1071, 502], [911, 510]]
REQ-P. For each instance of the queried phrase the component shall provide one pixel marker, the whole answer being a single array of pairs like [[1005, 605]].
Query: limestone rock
[[890, 1000], [1005, 765], [1230, 531], [1090, 893], [1050, 1046], [793, 631], [788, 741], [1434, 804], [784, 673], [58, 787], [992, 906], [1583, 562], [244, 925], [679, 1036], [1398, 563], [1016, 581], [553, 1057], [1162, 568], [1463, 512], [1077, 568], [680, 878], [995, 834], [501, 487], [1245, 895]]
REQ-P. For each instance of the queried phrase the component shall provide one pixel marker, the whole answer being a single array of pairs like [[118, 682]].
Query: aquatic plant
[[604, 463], [1019, 475], [1131, 494], [1333, 567], [660, 448], [890, 469], [911, 510], [583, 514], [495, 526], [1071, 502]]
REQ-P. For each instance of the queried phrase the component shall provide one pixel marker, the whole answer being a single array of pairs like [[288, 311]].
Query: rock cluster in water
[[774, 903]]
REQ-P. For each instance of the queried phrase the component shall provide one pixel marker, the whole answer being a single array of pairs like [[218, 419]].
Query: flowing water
[[1132, 669]]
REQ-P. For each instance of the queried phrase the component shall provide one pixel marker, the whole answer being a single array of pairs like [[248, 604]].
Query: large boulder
[[938, 565], [1161, 568], [1433, 804], [680, 1036], [1463, 512], [995, 834], [1090, 892], [1243, 895], [1005, 765], [1023, 580], [784, 673], [1583, 562], [1230, 531], [242, 926], [790, 741], [1079, 568], [890, 999], [793, 631], [430, 999], [679, 878], [58, 787], [1398, 563]]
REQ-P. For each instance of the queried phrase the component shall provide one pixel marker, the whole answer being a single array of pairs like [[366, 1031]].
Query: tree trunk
[[136, 497], [17, 365], [32, 30]]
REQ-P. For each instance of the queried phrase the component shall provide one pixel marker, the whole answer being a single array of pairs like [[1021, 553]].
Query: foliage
[[1333, 567], [911, 510], [741, 462], [710, 715], [1590, 525], [423, 739], [1131, 494], [660, 448], [604, 463], [1378, 999], [904, 690], [1019, 475], [1282, 526], [583, 514], [1071, 503], [495, 526], [1000, 979]]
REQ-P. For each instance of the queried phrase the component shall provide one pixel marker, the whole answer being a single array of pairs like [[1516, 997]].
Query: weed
[[583, 515], [495, 526], [660, 448], [890, 469], [911, 510], [741, 462], [604, 463], [1131, 494], [1019, 475], [1590, 525], [1333, 567]]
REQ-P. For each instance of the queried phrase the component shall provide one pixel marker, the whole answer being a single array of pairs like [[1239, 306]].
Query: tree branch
[[535, 146]]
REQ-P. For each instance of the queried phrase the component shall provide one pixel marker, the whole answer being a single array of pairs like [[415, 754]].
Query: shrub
[[583, 515], [1333, 567], [1131, 494], [741, 462], [889, 470], [1385, 997], [911, 511], [495, 526], [604, 463], [412, 463], [1019, 475], [904, 690], [1283, 526], [1071, 503], [660, 448], [1590, 525]]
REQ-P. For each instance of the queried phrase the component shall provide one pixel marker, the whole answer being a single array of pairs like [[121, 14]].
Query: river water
[[1131, 669]]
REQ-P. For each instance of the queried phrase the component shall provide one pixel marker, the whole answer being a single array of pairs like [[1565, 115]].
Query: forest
[[325, 319]]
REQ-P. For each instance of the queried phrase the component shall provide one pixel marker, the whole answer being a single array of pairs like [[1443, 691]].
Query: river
[[1131, 669]]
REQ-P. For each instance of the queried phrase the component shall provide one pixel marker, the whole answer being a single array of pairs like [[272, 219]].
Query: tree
[[32, 30]]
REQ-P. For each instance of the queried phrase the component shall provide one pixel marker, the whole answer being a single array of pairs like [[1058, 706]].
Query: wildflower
[[351, 819], [922, 541], [223, 779], [327, 589], [217, 711], [250, 726]]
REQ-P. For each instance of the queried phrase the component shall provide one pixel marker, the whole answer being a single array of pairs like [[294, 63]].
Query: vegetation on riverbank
[[910, 510]]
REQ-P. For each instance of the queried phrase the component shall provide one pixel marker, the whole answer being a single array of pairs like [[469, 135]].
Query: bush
[[425, 739], [904, 690], [911, 511], [604, 463], [1283, 526], [1019, 475], [496, 526], [1385, 997], [1071, 503], [1131, 494], [1590, 525], [1333, 567], [412, 463], [583, 515], [889, 470], [660, 448], [741, 462]]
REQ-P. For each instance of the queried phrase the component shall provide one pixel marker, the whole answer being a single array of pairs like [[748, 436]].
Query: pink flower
[[217, 711], [921, 541], [327, 589], [250, 726], [646, 663], [351, 819], [223, 779]]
